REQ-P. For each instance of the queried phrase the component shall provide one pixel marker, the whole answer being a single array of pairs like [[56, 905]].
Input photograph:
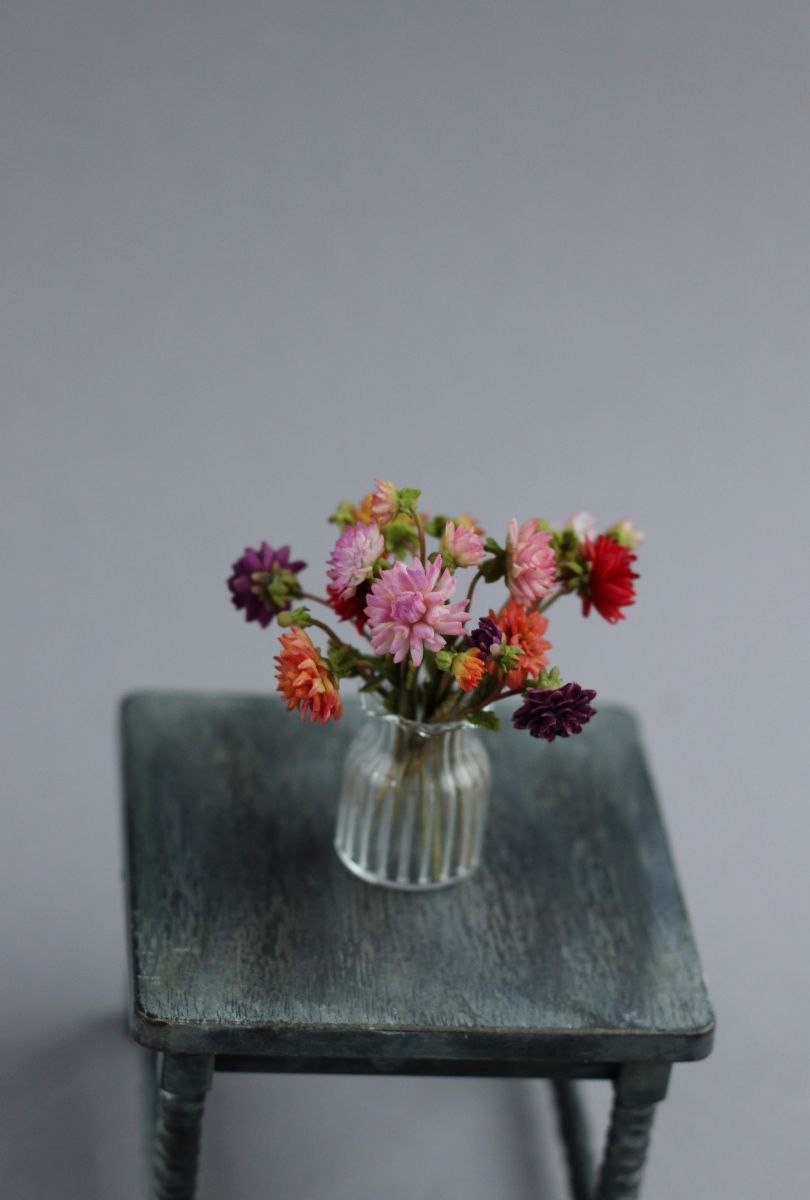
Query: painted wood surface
[[248, 936]]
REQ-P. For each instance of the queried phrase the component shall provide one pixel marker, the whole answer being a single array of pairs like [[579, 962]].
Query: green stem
[[420, 529], [544, 605], [465, 712], [444, 687], [437, 836], [365, 668], [473, 583], [403, 678], [317, 599]]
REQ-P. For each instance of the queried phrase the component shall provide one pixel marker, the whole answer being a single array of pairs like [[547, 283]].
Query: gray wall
[[528, 256]]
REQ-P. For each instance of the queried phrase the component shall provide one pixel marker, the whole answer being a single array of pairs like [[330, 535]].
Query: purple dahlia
[[264, 582], [558, 713], [487, 634]]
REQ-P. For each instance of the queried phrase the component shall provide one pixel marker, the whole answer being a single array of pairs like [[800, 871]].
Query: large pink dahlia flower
[[408, 608], [530, 569], [352, 561]]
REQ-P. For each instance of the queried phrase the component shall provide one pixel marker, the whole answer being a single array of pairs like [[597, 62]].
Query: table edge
[[464, 1045]]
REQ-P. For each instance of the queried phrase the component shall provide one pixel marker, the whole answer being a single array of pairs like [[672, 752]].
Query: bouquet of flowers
[[395, 575]]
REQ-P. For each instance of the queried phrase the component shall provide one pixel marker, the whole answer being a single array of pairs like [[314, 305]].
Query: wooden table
[[568, 956]]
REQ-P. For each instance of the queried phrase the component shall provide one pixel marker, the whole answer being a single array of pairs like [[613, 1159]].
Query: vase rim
[[373, 707]]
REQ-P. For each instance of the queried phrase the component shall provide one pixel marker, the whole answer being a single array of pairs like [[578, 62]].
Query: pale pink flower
[[385, 502], [408, 609], [462, 544], [530, 569], [584, 525], [352, 561]]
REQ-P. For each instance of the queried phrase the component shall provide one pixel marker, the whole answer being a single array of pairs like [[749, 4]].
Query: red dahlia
[[352, 609], [608, 583]]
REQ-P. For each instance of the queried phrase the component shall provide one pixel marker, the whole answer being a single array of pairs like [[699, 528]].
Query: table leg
[[150, 1065], [574, 1133], [638, 1089], [184, 1081]]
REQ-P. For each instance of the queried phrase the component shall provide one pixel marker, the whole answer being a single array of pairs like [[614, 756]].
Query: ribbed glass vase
[[414, 802]]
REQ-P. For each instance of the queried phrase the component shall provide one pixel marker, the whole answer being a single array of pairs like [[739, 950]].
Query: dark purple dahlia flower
[[485, 636], [558, 713], [263, 582]]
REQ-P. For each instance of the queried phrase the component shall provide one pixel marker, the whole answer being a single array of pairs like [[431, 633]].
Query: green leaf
[[487, 720]]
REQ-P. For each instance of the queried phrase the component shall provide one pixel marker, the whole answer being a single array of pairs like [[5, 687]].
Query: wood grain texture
[[248, 936]]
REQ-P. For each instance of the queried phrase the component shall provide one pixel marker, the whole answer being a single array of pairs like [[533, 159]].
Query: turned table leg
[[574, 1133], [638, 1089], [184, 1081]]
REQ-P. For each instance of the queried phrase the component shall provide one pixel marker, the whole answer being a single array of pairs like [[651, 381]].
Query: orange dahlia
[[363, 511], [468, 669], [305, 679], [525, 629]]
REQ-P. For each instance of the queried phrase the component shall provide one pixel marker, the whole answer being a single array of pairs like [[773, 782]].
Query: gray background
[[528, 256]]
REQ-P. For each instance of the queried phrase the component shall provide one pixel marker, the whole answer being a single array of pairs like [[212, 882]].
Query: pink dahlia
[[352, 561], [408, 609], [462, 544], [530, 571], [385, 502]]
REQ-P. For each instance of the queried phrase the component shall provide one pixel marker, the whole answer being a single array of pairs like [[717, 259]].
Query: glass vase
[[413, 803]]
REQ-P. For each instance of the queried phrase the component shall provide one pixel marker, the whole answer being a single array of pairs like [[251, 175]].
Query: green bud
[[436, 525], [408, 498], [507, 655], [444, 659], [343, 515], [296, 616], [493, 568], [548, 681]]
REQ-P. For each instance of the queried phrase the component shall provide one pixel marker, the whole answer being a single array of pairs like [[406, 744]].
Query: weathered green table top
[[249, 937]]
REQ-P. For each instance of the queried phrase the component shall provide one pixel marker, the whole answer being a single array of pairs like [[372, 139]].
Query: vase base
[[402, 885]]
